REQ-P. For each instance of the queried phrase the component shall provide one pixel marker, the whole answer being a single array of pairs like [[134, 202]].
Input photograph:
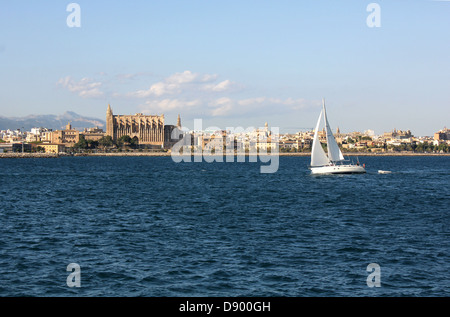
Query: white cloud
[[208, 77], [123, 78], [85, 88], [178, 84], [161, 106], [182, 78], [251, 101], [222, 86], [195, 94], [157, 90], [222, 106]]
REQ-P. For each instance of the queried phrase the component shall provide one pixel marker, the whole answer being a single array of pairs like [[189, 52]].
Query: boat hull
[[338, 169]]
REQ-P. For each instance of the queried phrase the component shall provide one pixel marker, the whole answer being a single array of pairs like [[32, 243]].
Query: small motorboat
[[384, 172]]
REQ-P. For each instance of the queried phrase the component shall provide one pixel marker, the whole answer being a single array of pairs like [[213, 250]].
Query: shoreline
[[167, 154]]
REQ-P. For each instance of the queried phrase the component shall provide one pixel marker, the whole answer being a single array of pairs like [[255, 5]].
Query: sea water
[[147, 226]]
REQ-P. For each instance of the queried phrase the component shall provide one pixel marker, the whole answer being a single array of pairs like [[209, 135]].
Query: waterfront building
[[6, 147], [12, 135], [67, 137], [442, 135], [39, 135], [397, 134], [15, 147], [93, 134], [52, 148], [31, 137]]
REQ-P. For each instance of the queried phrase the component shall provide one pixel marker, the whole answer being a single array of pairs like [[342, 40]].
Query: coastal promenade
[[28, 155], [374, 154], [156, 154]]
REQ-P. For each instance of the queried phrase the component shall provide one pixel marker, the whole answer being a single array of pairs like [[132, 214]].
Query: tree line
[[107, 142]]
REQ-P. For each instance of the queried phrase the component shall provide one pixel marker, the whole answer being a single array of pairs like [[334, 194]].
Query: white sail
[[318, 156], [334, 152]]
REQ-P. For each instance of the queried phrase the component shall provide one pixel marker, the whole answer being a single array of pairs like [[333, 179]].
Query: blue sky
[[231, 63]]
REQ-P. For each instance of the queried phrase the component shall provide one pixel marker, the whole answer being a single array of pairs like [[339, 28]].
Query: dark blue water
[[146, 226]]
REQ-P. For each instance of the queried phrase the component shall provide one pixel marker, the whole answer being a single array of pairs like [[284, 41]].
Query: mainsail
[[334, 152], [318, 156]]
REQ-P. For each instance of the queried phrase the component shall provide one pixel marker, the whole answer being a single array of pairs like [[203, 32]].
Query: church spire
[[179, 121], [109, 111]]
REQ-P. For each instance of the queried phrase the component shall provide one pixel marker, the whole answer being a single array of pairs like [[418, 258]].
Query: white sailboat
[[334, 162]]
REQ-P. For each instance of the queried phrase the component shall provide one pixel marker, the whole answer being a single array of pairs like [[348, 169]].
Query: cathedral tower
[[109, 122]]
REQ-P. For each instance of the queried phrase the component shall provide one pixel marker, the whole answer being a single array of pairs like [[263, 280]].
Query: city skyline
[[61, 120], [233, 63]]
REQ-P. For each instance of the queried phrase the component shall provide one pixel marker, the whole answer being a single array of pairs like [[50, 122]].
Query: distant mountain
[[50, 121]]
